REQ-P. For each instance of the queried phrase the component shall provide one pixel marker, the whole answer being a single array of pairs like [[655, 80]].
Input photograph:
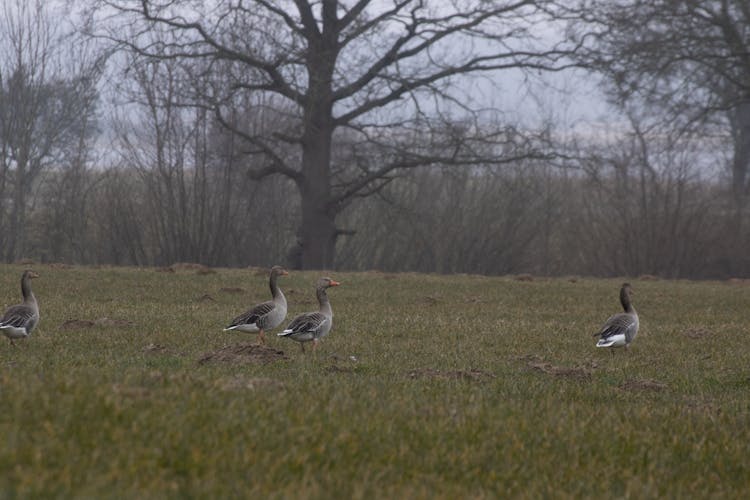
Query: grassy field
[[460, 387]]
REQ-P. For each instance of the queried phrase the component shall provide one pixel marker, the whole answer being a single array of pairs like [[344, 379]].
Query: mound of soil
[[76, 324], [643, 385], [697, 333], [648, 277], [472, 374], [155, 348], [59, 265], [108, 322], [243, 353], [231, 289], [428, 300], [578, 372], [205, 298]]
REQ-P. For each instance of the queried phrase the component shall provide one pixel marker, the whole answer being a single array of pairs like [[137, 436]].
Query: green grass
[[92, 413]]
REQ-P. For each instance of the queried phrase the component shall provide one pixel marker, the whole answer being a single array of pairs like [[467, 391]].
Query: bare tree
[[687, 60], [381, 70], [46, 104], [202, 207], [647, 207]]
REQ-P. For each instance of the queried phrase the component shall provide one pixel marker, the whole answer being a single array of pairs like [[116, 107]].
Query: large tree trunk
[[17, 233], [741, 160], [317, 234], [736, 255]]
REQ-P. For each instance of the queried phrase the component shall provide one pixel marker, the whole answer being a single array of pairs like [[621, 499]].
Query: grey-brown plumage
[[19, 320], [621, 328], [313, 326], [264, 316]]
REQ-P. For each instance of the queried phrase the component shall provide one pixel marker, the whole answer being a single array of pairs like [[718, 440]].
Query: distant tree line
[[338, 139]]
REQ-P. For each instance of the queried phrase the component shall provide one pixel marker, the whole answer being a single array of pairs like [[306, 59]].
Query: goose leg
[[262, 337], [315, 344], [302, 346]]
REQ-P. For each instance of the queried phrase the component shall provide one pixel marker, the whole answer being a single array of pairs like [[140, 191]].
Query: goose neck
[[625, 301], [325, 304]]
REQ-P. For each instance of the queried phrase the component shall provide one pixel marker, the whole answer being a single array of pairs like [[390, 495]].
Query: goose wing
[[618, 324], [306, 323], [18, 316], [253, 315]]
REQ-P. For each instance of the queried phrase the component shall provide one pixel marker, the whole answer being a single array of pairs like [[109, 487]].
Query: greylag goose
[[20, 320], [621, 328], [264, 316], [313, 326]]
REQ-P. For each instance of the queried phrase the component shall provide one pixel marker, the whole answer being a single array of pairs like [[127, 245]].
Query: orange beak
[[284, 273], [335, 283]]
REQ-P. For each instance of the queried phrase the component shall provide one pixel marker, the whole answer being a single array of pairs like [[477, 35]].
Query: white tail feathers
[[613, 341]]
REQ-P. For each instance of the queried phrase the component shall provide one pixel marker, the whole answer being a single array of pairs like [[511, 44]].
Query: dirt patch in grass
[[82, 324], [160, 349], [190, 266], [59, 265], [738, 281], [524, 277], [243, 353], [205, 298], [231, 289], [472, 374], [643, 385], [342, 364], [648, 277], [129, 391], [113, 322], [581, 372], [474, 299], [164, 270], [428, 300], [76, 324], [697, 333]]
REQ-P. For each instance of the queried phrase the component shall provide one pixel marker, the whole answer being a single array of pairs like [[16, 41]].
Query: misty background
[[585, 137]]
